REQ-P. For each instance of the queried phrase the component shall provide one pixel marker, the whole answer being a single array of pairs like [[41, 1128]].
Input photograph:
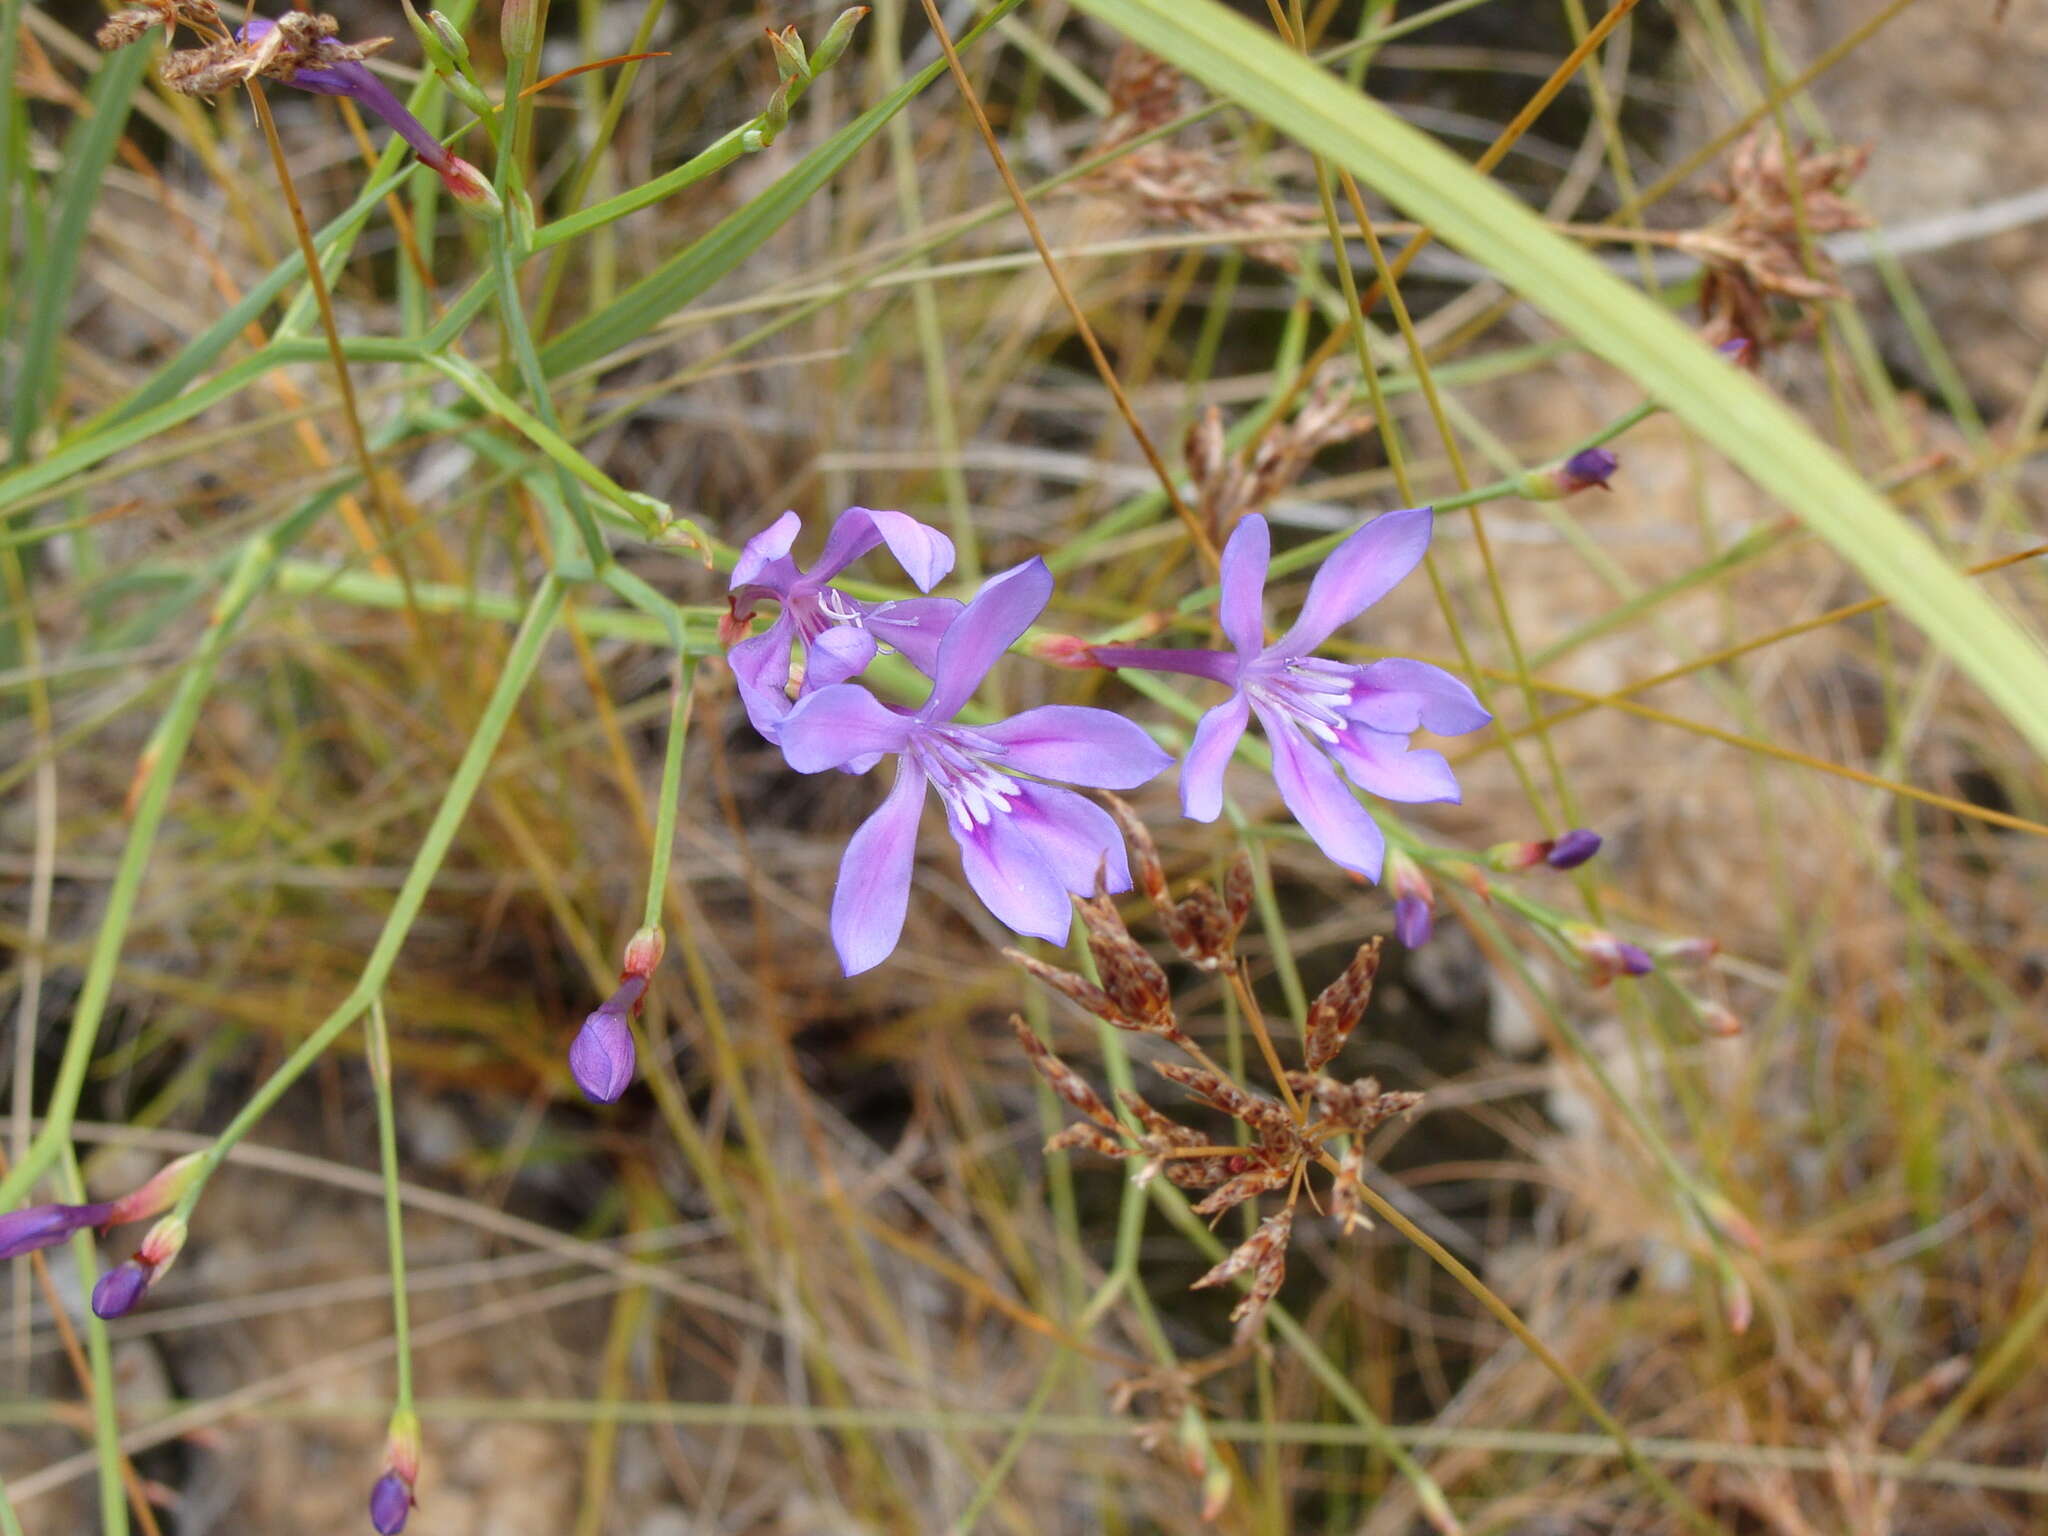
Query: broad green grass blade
[[1723, 404]]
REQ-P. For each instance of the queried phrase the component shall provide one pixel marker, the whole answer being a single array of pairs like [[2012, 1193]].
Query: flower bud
[[390, 1503], [1693, 950], [519, 28], [1739, 350], [643, 953], [836, 38], [120, 1288], [443, 46], [158, 1194], [1582, 471], [1605, 955], [1718, 1021], [1573, 848], [601, 1058], [791, 63], [1513, 858], [1414, 901]]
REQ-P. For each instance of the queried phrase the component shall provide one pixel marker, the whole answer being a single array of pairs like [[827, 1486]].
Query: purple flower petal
[[1217, 666], [760, 666], [1015, 877], [1201, 771], [43, 1226], [757, 565], [839, 654], [1399, 695], [601, 1058], [1077, 745], [1327, 811], [349, 77], [1242, 606], [1382, 764], [925, 554], [838, 724], [1358, 573], [915, 626], [873, 891], [1001, 611], [1074, 838]]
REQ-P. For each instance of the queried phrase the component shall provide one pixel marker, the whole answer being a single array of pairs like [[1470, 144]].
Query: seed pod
[[1091, 1138], [1272, 1270], [1129, 975], [1217, 1092], [1340, 1005], [1063, 1079], [1073, 986], [1346, 1208], [1254, 1181]]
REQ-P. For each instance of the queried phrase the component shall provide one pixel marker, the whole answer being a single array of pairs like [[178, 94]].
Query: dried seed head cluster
[[1230, 485], [1317, 1119], [1173, 185], [135, 23], [1755, 249]]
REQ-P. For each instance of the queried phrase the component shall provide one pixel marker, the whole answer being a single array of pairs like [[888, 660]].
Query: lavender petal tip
[[1413, 921]]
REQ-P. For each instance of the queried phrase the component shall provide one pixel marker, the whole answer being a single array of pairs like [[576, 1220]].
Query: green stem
[[539, 623], [394, 1211], [682, 688]]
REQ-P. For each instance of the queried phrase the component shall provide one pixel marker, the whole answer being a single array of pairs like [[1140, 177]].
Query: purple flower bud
[[601, 1057], [120, 1288], [390, 1503], [1573, 849], [1413, 921], [1635, 960], [41, 1226], [1591, 467]]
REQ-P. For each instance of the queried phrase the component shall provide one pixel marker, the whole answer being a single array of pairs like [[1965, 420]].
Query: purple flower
[[1585, 469], [390, 1503], [839, 634], [1573, 848], [120, 1288], [1025, 844], [42, 1226], [354, 79], [601, 1057], [1320, 715]]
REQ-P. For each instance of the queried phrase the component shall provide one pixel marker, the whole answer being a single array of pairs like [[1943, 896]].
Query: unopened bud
[[119, 1289], [602, 1056], [1584, 470], [390, 1503], [643, 953], [1606, 956], [519, 27], [1719, 1022], [791, 63], [442, 45], [1694, 950], [1414, 901], [1739, 350], [161, 1245], [836, 38], [1573, 848], [158, 1194]]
